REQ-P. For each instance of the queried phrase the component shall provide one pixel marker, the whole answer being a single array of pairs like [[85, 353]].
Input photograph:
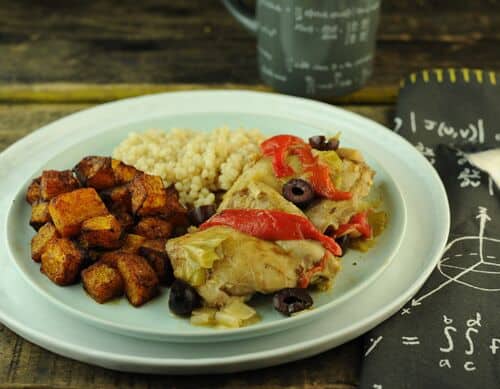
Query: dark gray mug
[[312, 47]]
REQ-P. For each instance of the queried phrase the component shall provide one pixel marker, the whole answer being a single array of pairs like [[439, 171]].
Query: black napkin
[[448, 335]]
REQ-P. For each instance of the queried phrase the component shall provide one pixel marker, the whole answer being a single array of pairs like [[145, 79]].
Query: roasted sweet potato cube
[[54, 183], [149, 197], [101, 231], [69, 210], [118, 199], [154, 251], [61, 261], [91, 256], [123, 173], [34, 192], [110, 258], [39, 214], [126, 220], [41, 240], [153, 228], [95, 172], [132, 243], [173, 204], [141, 281], [102, 282]]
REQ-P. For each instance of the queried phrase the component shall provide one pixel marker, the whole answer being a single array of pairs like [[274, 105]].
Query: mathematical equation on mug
[[351, 25]]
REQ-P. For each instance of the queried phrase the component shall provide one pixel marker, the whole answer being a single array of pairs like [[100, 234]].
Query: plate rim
[[197, 337]]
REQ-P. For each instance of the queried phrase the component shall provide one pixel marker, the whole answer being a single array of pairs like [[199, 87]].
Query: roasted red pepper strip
[[272, 225], [281, 146], [358, 222], [306, 277], [278, 148], [322, 184]]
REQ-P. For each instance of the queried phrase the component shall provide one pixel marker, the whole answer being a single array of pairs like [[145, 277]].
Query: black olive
[[183, 298], [198, 215], [291, 300], [343, 242], [319, 142], [298, 191]]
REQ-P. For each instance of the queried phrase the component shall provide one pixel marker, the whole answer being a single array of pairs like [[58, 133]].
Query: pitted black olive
[[201, 214], [319, 142], [291, 300], [343, 242], [298, 191], [183, 298]]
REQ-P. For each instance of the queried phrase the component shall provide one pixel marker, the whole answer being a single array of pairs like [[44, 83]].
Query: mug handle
[[243, 14]]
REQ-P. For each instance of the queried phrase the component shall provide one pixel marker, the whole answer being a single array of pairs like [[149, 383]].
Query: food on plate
[[108, 225], [221, 263], [34, 192], [154, 252], [198, 163], [101, 231], [39, 214], [69, 210], [102, 282], [153, 228], [183, 299], [217, 217], [291, 300], [39, 242], [95, 172], [53, 183], [140, 280], [61, 261]]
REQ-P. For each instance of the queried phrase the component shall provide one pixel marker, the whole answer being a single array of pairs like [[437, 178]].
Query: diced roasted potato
[[126, 220], [34, 192], [101, 231], [141, 282], [149, 197], [90, 256], [39, 214], [132, 243], [61, 261], [102, 282], [110, 258], [95, 172], [123, 173], [154, 251], [69, 210], [40, 241], [54, 183], [153, 228], [174, 207], [118, 199]]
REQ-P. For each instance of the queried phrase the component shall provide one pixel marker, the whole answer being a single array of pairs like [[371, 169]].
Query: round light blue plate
[[97, 131]]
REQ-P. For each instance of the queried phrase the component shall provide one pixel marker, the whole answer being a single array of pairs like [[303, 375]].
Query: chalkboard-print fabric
[[448, 335]]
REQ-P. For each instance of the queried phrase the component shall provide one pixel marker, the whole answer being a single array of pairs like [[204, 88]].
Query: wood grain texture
[[196, 41], [24, 365], [100, 93]]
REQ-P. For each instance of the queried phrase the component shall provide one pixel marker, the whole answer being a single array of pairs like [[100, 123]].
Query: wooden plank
[[198, 42], [99, 93], [24, 365], [37, 368]]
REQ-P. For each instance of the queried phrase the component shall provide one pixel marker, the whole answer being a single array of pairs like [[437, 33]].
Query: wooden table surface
[[58, 57]]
